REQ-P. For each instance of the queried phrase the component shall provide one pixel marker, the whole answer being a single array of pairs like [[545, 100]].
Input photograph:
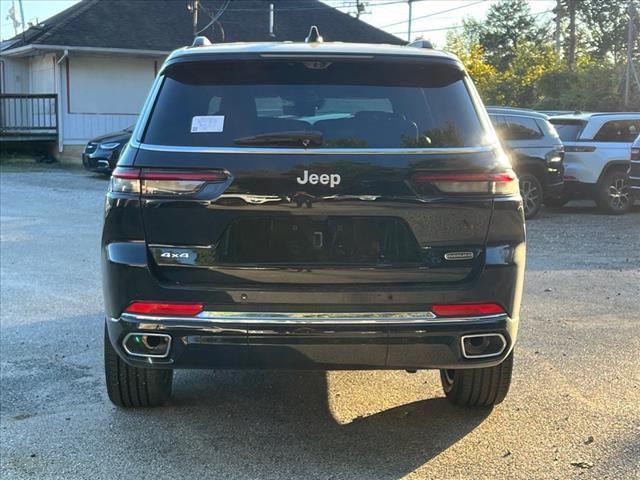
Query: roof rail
[[201, 41], [421, 44]]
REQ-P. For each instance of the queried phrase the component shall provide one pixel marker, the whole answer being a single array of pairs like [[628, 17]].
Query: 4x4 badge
[[331, 179]]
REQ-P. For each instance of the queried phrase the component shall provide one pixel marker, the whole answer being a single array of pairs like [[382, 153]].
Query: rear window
[[568, 129], [345, 104]]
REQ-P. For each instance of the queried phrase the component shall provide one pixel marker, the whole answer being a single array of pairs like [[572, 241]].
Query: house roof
[[164, 25]]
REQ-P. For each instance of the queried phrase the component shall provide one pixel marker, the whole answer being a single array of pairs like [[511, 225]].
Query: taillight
[[635, 153], [467, 309], [162, 182], [579, 148], [556, 155], [125, 180], [175, 309], [502, 183]]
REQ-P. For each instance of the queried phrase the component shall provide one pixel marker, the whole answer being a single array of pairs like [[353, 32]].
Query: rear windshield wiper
[[283, 139]]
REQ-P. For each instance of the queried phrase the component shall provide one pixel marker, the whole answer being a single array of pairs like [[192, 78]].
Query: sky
[[431, 18]]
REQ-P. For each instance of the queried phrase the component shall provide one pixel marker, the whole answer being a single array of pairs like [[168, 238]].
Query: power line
[[452, 27], [435, 13]]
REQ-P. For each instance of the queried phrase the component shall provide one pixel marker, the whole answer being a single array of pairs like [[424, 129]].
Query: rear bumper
[[579, 190], [99, 162], [257, 340], [554, 189]]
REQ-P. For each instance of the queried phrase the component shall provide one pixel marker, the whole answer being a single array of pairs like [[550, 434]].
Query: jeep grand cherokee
[[312, 206]]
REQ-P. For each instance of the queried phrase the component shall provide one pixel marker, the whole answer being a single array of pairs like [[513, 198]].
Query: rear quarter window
[[352, 105], [618, 131], [521, 128]]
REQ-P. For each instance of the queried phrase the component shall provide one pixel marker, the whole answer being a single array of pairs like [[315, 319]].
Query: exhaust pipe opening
[[148, 345], [483, 345]]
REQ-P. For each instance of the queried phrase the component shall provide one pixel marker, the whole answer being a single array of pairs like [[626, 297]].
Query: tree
[[484, 75], [606, 24], [509, 23]]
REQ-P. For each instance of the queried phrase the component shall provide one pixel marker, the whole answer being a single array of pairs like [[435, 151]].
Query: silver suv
[[597, 158]]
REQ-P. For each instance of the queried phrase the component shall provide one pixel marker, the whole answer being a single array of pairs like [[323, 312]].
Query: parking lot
[[573, 410]]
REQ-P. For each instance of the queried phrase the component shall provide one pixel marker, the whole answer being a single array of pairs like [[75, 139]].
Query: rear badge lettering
[[174, 255], [331, 179]]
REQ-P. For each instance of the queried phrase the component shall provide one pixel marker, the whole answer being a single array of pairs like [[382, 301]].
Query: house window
[[108, 85]]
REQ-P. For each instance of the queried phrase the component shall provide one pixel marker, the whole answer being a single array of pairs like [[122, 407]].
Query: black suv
[[536, 152], [312, 206]]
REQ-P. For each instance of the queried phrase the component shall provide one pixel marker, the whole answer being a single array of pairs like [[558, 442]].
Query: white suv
[[596, 158]]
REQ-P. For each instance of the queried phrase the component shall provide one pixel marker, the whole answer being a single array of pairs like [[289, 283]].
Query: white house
[[87, 70]]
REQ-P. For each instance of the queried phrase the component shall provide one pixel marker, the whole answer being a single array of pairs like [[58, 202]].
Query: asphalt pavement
[[573, 410]]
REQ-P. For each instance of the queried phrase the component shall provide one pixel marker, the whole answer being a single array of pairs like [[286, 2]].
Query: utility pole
[[193, 7], [22, 19], [572, 34], [630, 70], [359, 8], [557, 35], [410, 19]]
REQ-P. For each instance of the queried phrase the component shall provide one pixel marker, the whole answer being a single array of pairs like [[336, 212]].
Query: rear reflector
[[175, 309], [502, 183], [163, 182], [467, 309]]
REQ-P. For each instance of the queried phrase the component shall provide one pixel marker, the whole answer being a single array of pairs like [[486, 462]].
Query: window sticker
[[207, 124]]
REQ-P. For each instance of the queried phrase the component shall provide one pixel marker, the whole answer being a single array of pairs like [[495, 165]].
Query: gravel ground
[[573, 410]]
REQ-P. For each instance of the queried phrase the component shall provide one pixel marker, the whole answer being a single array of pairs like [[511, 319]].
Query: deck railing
[[28, 116]]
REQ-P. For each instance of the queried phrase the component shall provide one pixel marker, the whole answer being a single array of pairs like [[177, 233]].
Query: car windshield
[[568, 129], [314, 105]]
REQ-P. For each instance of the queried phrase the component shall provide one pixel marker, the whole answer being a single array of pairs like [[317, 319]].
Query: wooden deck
[[29, 117]]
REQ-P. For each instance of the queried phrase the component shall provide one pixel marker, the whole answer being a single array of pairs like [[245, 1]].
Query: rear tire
[[532, 194], [131, 387], [478, 387], [613, 194]]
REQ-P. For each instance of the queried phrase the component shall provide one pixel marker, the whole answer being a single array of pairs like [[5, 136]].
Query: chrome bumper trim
[[297, 318]]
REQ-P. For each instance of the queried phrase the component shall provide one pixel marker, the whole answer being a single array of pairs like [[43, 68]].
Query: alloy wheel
[[619, 196], [530, 196]]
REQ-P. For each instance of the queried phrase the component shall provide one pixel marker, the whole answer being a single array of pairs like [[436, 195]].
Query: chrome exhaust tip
[[483, 345], [147, 345]]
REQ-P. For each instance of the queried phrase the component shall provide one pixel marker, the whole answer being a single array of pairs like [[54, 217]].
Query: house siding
[[102, 94], [42, 73], [15, 75]]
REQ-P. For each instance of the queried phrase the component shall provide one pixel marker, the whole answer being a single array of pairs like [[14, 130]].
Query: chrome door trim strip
[[298, 318], [312, 151]]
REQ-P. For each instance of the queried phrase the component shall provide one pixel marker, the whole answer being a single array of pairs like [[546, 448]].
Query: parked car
[[597, 158], [101, 154], [633, 175], [246, 229], [536, 154]]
